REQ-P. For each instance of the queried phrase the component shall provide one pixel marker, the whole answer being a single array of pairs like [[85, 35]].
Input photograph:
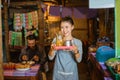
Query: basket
[[115, 75]]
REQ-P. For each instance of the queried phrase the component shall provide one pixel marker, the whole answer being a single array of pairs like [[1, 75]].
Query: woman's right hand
[[53, 45], [52, 49]]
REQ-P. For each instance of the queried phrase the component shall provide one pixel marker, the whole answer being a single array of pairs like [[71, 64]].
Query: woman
[[65, 67]]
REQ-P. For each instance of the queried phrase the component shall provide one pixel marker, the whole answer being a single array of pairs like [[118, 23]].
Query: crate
[[114, 74]]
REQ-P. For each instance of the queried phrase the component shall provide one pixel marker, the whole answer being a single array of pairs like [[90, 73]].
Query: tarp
[[104, 53], [77, 12]]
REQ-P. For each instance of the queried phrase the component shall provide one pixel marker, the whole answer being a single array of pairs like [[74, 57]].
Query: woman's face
[[66, 28]]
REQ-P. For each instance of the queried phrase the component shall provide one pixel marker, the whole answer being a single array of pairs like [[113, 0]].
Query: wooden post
[[101, 23], [40, 24], [1, 49], [6, 31]]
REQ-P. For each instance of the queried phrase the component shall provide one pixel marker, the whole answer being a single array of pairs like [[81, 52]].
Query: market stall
[[14, 37], [98, 55], [29, 16]]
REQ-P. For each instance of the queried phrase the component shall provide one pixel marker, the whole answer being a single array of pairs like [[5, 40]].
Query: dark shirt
[[30, 53]]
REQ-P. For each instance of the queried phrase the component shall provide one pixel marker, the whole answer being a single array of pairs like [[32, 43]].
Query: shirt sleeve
[[78, 43], [23, 52], [52, 57]]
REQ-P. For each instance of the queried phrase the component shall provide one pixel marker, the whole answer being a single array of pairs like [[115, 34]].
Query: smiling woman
[[66, 60]]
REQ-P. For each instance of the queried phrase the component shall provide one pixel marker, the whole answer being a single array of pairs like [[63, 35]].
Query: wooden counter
[[98, 70]]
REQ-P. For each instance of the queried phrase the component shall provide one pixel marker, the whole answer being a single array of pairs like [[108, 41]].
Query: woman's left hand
[[76, 52], [75, 49]]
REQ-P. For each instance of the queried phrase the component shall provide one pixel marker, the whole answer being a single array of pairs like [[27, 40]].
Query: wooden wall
[[81, 29], [53, 29]]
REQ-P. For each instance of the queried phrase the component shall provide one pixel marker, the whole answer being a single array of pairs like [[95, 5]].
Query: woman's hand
[[76, 52], [52, 49], [74, 49], [53, 45]]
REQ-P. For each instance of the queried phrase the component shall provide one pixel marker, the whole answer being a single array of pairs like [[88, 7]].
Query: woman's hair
[[67, 19]]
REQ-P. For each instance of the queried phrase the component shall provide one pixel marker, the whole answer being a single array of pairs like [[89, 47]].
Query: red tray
[[63, 47]]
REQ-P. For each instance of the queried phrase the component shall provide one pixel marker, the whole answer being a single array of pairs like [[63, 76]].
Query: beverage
[[59, 41]]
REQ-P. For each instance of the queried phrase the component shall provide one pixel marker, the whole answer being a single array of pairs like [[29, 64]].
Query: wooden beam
[[1, 49], [77, 4], [25, 3]]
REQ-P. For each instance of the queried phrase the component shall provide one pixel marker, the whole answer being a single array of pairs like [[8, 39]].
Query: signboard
[[101, 3]]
